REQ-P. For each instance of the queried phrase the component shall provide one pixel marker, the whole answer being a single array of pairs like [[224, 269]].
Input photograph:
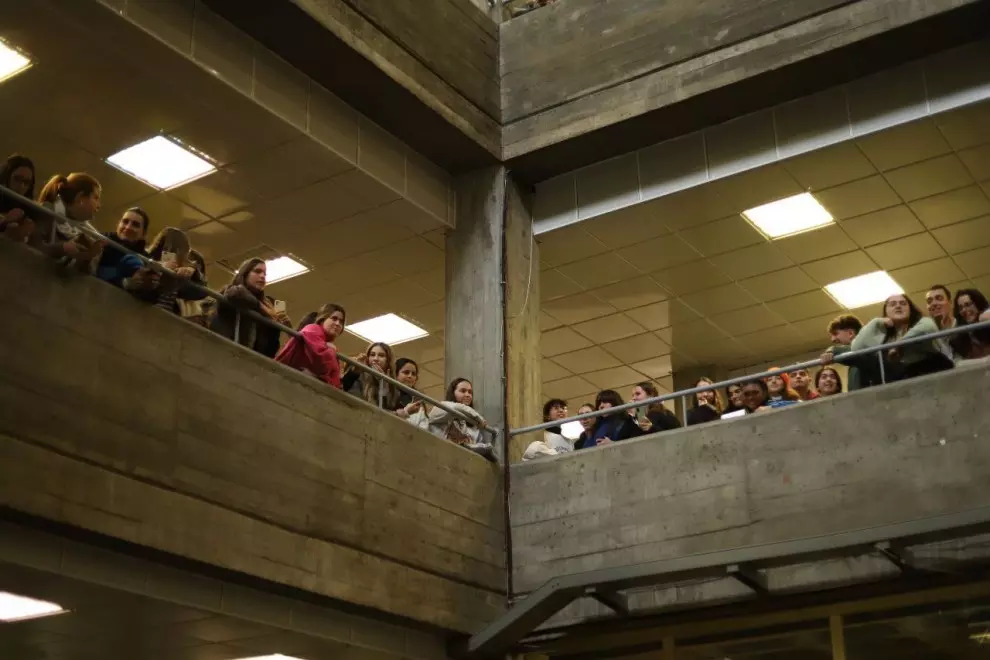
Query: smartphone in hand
[[279, 306]]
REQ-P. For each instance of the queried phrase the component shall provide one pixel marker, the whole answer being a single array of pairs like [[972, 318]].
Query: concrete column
[[493, 299]]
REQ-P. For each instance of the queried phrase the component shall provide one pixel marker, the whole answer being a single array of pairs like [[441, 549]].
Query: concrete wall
[[124, 420], [602, 78], [878, 456]]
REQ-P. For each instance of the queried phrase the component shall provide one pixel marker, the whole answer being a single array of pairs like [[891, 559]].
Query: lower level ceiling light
[[273, 656], [389, 329], [21, 608], [863, 290], [572, 430]]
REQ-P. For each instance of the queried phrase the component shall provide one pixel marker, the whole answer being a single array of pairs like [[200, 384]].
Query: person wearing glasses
[[970, 306]]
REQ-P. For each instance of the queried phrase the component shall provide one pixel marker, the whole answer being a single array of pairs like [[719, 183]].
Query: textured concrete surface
[[874, 457], [121, 419]]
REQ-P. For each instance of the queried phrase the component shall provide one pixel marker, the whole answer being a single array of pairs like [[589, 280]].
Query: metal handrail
[[34, 207], [845, 357]]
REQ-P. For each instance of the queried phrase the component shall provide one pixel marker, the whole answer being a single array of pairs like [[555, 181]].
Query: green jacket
[[874, 334]]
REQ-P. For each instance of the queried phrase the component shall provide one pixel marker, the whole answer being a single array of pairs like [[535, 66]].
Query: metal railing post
[[883, 371], [684, 409], [381, 393], [237, 326]]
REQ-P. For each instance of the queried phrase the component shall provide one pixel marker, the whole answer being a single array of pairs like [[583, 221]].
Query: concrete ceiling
[[677, 282]]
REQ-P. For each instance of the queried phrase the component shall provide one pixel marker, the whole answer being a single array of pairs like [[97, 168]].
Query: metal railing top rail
[[840, 359], [32, 207]]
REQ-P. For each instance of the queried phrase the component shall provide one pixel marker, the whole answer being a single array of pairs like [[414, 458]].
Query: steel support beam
[[749, 577], [529, 613], [613, 600]]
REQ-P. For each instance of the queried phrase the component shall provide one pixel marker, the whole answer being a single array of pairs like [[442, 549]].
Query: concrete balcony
[[120, 421]]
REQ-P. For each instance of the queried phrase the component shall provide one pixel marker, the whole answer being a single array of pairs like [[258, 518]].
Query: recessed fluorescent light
[[789, 216], [282, 268], [274, 656], [162, 163], [12, 61], [572, 430], [864, 289], [389, 329], [20, 608]]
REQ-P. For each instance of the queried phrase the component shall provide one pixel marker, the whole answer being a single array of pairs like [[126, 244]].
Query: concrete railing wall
[[124, 420], [879, 456]]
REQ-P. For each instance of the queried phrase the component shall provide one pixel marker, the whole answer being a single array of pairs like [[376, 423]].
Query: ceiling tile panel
[[692, 207], [780, 284], [770, 343], [967, 126], [659, 253], [598, 271], [922, 276], [975, 263], [977, 161], [609, 328], [561, 340], [722, 235], [616, 378], [567, 245], [627, 226], [554, 284], [886, 225], [930, 177], [567, 388], [754, 188], [858, 197], [964, 236], [950, 207], [816, 244], [744, 321], [662, 314], [410, 257], [578, 308], [830, 167], [548, 322], [840, 267], [720, 299], [657, 367], [694, 334], [751, 261], [585, 360], [906, 251], [431, 280], [431, 317], [550, 370], [816, 328], [638, 347], [804, 306], [290, 166], [691, 277], [632, 293], [904, 145]]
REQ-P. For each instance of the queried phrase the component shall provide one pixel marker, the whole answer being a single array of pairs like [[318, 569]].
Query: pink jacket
[[313, 354]]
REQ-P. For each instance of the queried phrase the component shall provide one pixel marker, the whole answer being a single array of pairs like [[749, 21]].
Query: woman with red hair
[[781, 392]]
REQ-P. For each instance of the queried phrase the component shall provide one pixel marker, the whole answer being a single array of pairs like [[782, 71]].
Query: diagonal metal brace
[[899, 557], [610, 598], [749, 577]]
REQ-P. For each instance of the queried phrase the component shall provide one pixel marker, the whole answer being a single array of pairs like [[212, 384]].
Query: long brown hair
[[370, 384], [241, 275], [652, 392], [321, 315], [718, 401], [171, 239], [68, 188]]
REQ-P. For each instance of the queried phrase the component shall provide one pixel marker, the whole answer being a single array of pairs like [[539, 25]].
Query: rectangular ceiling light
[[864, 289], [20, 608], [282, 268], [162, 163], [789, 216], [389, 329], [572, 430], [274, 656], [12, 61]]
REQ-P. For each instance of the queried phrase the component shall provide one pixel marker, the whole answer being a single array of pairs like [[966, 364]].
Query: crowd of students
[[899, 319], [67, 235]]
